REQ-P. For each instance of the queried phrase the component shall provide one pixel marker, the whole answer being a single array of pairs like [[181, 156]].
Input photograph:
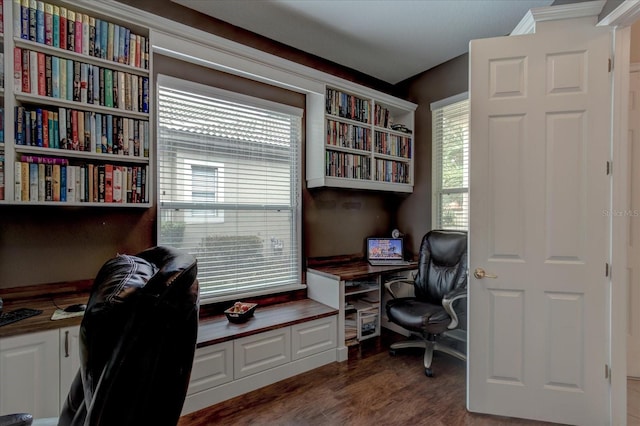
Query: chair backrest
[[137, 341], [442, 264]]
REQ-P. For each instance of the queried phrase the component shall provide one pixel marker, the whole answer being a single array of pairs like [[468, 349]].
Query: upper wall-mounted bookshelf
[[368, 142], [77, 100]]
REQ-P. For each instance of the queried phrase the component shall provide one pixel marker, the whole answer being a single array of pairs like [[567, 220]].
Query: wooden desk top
[[358, 269]]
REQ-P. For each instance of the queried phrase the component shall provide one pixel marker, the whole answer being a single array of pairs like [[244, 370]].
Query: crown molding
[[553, 13], [624, 15]]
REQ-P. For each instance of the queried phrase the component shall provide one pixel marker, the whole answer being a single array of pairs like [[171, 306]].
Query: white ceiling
[[387, 39]]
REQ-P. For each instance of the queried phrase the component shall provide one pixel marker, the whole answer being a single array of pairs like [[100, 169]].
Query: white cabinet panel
[[69, 359], [261, 352], [29, 373], [212, 366], [312, 337]]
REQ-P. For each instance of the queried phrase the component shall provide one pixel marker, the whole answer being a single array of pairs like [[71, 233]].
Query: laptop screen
[[380, 249]]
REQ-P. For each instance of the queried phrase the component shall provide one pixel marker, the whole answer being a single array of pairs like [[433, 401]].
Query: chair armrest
[[19, 419], [447, 304], [389, 285]]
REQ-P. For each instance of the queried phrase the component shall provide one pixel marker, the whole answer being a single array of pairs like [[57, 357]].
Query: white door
[[69, 359], [633, 290], [539, 221]]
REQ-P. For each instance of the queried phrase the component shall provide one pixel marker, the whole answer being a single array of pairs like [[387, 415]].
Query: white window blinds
[[228, 186], [450, 141]]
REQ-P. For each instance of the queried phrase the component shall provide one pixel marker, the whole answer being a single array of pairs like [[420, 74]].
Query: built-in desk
[[354, 288]]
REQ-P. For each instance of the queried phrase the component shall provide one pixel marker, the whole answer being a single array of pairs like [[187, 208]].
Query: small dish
[[240, 312]]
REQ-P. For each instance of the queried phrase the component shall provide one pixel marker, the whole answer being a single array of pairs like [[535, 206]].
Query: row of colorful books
[[392, 171], [72, 129], [54, 179], [389, 144], [382, 116], [352, 166], [348, 135], [41, 74], [345, 105], [68, 29]]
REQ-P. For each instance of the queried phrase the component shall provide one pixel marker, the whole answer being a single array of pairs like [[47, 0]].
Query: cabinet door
[[212, 366], [29, 374], [312, 337], [69, 359], [253, 354]]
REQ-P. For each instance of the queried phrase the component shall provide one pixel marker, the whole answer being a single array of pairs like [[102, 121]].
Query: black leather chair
[[137, 342], [437, 311]]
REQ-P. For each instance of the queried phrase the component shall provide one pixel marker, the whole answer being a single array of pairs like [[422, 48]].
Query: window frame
[[437, 190], [296, 167]]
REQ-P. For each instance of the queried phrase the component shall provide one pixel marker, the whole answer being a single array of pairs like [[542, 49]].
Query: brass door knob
[[480, 273]]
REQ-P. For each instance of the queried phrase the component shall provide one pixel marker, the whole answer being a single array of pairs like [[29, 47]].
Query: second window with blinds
[[450, 139], [228, 187]]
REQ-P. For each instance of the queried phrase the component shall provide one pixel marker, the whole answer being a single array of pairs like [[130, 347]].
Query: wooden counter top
[[357, 269]]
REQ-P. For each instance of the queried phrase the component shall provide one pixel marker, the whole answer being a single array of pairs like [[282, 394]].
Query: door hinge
[[609, 167], [607, 269], [607, 372], [610, 64]]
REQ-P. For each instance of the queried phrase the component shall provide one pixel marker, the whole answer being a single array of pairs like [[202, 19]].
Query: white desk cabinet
[[30, 374], [36, 371]]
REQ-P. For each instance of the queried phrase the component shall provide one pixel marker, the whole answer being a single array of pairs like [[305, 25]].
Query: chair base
[[429, 347]]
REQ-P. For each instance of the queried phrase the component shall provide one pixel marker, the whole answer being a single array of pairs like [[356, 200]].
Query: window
[[228, 185], [450, 140]]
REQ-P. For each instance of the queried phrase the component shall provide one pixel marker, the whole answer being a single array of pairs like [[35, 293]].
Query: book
[[84, 82], [104, 35], [45, 128], [33, 72], [63, 183], [17, 19], [101, 185], [41, 172], [33, 9], [62, 128], [48, 24], [1, 176], [110, 32], [17, 69], [70, 75], [27, 137], [75, 142], [80, 126], [17, 181], [48, 182], [55, 135], [38, 134], [43, 160], [48, 75], [42, 83], [24, 189], [108, 183], [62, 42], [97, 34], [55, 27], [85, 34], [62, 78], [71, 30], [19, 127], [32, 121], [24, 19], [95, 74], [33, 182], [108, 87], [71, 183], [76, 80], [39, 22], [55, 77], [56, 182], [117, 184], [78, 33]]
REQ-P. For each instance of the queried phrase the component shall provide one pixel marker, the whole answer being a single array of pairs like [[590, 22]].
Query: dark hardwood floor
[[372, 387]]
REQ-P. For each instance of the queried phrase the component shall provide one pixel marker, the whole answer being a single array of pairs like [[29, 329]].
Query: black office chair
[[438, 310], [137, 342]]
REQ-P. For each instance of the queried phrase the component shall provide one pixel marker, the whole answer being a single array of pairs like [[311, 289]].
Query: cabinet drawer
[[312, 337], [212, 366], [260, 352]]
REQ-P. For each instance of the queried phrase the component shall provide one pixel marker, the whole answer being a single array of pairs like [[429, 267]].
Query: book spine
[[122, 99], [24, 169], [33, 8], [27, 136], [70, 74], [48, 75], [101, 183], [108, 87], [71, 183], [62, 128], [17, 181], [33, 72], [71, 30], [93, 135], [81, 135], [76, 80], [75, 142], [92, 36], [110, 31], [95, 73], [48, 182], [55, 135], [55, 77], [125, 136], [56, 182], [48, 24], [42, 83], [41, 173], [84, 82], [109, 134], [63, 183], [39, 22], [17, 69], [24, 19], [104, 37], [19, 128], [85, 34], [33, 124], [33, 182], [97, 38], [108, 183], [78, 33], [62, 42], [45, 128], [39, 139], [132, 49], [55, 27], [43, 160]]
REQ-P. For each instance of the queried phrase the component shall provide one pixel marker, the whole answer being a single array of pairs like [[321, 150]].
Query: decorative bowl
[[240, 312]]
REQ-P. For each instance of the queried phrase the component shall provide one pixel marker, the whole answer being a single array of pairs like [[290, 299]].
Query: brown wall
[[52, 244], [447, 79]]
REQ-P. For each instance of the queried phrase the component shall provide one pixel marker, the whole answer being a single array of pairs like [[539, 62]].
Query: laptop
[[385, 251]]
